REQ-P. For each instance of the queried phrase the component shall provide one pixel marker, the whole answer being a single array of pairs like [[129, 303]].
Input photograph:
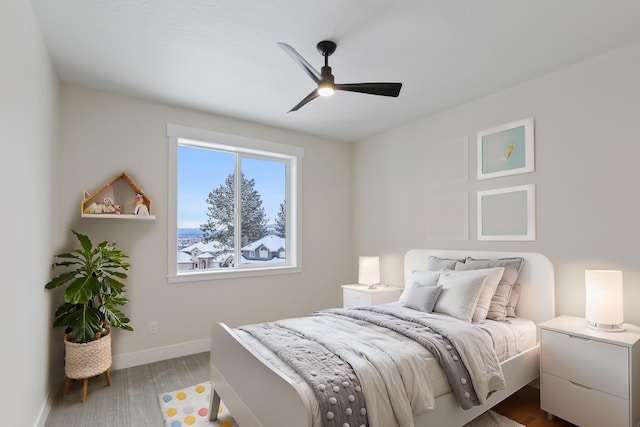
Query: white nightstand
[[353, 295], [590, 378]]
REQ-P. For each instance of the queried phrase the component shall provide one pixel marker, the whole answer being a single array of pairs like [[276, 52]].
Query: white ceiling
[[221, 56]]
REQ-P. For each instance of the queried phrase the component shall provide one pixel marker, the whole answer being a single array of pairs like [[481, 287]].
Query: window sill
[[203, 276]]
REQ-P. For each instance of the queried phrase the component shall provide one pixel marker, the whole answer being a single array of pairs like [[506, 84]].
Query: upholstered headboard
[[537, 295]]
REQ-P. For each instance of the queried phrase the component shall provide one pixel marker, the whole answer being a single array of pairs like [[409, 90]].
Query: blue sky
[[200, 171]]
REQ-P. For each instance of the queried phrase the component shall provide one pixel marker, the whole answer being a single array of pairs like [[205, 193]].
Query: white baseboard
[[46, 408], [127, 360]]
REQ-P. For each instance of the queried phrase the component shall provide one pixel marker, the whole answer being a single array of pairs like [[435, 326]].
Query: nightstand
[[353, 295], [590, 378]]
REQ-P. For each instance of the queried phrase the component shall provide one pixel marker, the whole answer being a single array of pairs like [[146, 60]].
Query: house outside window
[[233, 205]]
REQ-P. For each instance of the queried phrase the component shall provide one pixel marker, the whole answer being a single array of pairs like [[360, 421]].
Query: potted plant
[[94, 294]]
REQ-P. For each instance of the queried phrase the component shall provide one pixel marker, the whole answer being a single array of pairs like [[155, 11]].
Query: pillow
[[422, 297], [512, 266], [493, 276], [421, 277], [513, 300], [436, 263], [459, 295]]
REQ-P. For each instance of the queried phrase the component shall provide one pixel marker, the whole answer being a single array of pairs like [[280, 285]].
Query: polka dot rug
[[189, 407]]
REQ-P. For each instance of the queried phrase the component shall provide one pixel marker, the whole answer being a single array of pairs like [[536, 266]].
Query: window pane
[[215, 218], [263, 219], [205, 208]]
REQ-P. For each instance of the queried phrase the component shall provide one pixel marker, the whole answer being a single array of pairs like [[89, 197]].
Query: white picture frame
[[507, 214], [506, 150]]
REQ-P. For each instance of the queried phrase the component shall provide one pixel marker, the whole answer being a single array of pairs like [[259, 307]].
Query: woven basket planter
[[86, 360]]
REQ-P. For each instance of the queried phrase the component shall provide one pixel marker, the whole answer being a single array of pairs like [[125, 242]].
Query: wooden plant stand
[[85, 384]]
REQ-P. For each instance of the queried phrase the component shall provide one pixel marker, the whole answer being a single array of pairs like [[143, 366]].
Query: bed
[[258, 393]]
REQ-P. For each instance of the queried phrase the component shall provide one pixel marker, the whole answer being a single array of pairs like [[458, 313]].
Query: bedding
[[419, 278], [436, 263], [422, 297], [468, 293], [500, 299], [459, 295], [263, 391], [401, 384], [514, 296]]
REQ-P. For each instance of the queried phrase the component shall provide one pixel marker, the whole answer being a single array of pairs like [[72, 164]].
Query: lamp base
[[605, 327], [372, 287]]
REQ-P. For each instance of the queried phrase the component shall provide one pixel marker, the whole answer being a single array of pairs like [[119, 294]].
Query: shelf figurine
[[108, 207], [140, 209]]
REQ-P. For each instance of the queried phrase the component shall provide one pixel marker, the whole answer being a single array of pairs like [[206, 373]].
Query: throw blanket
[[382, 363], [333, 381]]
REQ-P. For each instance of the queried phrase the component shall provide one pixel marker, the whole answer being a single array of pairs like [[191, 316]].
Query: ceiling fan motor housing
[[326, 47], [327, 76]]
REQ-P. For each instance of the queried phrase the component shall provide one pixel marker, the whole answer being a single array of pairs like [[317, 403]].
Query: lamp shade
[[604, 303], [369, 270]]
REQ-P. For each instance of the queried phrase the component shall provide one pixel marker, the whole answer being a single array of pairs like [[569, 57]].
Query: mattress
[[509, 339]]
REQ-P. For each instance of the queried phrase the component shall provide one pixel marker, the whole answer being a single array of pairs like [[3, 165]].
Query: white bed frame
[[258, 396]]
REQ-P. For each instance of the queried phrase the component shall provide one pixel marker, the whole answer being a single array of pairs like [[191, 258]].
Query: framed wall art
[[507, 213], [506, 150]]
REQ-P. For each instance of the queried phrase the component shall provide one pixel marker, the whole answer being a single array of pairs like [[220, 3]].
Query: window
[[233, 205]]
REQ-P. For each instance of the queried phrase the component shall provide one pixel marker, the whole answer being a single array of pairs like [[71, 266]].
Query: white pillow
[[422, 277], [460, 294], [422, 297], [493, 275], [512, 267]]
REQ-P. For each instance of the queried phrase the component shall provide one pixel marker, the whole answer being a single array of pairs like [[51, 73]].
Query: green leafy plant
[[95, 292]]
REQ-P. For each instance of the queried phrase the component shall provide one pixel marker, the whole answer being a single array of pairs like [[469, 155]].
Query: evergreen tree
[[281, 221], [220, 207]]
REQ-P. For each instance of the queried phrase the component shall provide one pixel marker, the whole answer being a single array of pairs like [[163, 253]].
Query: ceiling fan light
[[326, 89]]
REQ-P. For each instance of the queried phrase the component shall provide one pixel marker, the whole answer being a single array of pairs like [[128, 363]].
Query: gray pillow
[[512, 267], [422, 297], [422, 277], [459, 295], [436, 263]]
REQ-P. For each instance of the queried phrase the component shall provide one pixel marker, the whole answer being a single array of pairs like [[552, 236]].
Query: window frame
[[252, 147]]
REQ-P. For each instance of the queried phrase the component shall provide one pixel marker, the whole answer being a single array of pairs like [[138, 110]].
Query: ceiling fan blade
[[384, 89], [313, 95], [312, 72]]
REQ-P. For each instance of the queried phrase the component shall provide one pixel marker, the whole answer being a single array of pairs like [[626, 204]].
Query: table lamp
[[604, 303], [369, 271]]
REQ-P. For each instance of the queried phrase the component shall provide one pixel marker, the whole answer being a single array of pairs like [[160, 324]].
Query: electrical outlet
[[153, 327]]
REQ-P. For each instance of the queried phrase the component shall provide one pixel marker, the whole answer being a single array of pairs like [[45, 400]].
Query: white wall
[[103, 134], [28, 138], [587, 145]]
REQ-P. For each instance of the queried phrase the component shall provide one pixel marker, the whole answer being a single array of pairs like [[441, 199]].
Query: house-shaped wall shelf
[[116, 200]]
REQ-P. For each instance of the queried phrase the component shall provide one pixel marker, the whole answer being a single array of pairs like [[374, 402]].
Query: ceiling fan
[[325, 80]]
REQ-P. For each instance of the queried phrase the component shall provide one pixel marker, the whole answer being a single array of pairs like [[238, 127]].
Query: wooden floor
[[132, 398], [524, 407]]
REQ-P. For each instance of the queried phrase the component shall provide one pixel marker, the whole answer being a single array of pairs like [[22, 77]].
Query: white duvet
[[400, 378]]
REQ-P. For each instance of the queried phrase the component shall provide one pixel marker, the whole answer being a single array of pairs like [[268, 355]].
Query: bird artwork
[[509, 151]]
